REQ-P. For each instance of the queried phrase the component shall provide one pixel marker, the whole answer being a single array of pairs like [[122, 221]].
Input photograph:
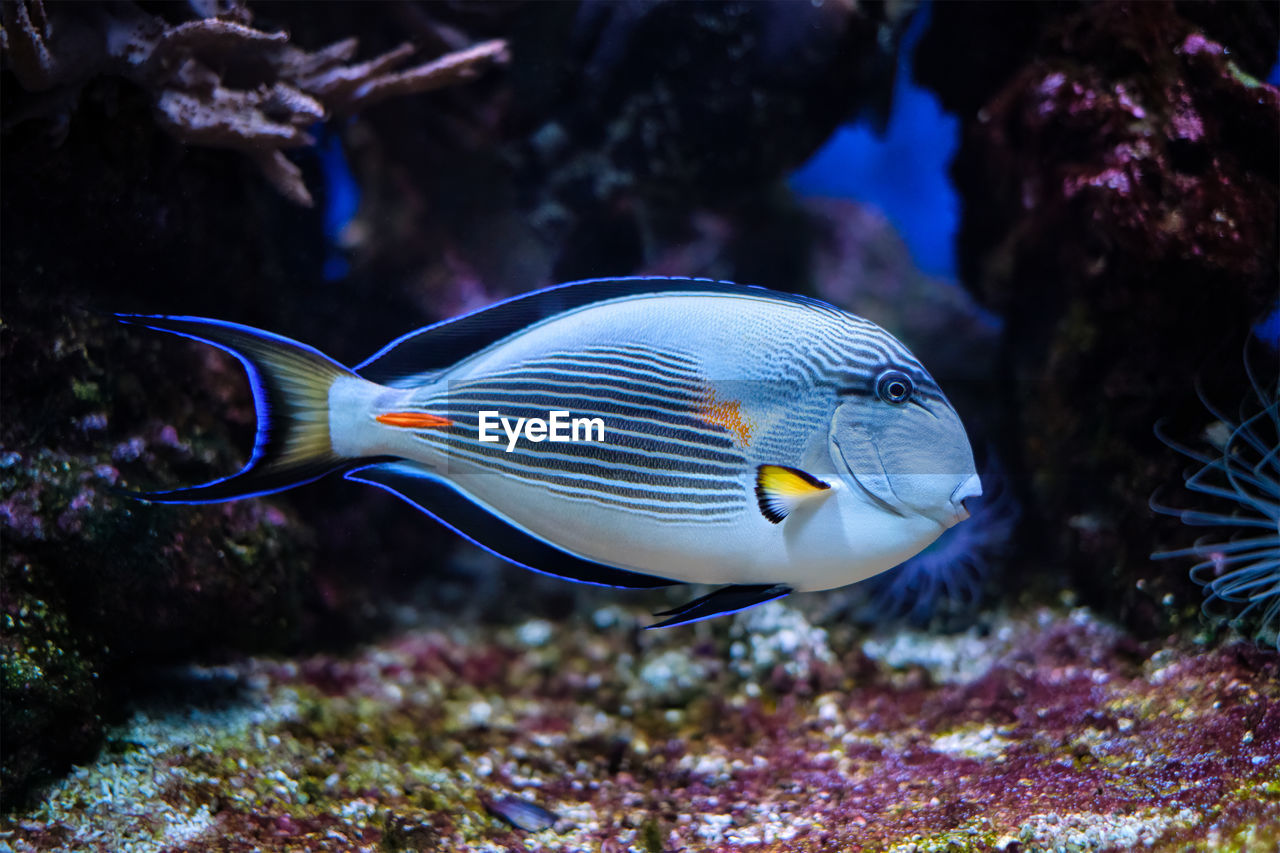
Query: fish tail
[[290, 383]]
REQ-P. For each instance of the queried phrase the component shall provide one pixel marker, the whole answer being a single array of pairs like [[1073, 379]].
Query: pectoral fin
[[779, 490], [726, 599]]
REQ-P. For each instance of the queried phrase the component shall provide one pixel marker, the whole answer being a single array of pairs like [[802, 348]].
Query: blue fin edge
[[263, 424], [445, 343]]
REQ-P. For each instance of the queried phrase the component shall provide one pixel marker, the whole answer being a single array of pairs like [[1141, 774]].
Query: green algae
[[1244, 78], [94, 583], [49, 696], [86, 392]]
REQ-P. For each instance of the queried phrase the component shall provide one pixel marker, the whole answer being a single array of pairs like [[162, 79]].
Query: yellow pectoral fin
[[779, 490], [414, 420]]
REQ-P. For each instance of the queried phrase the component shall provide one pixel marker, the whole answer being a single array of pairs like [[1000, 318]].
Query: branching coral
[[215, 80], [1240, 571]]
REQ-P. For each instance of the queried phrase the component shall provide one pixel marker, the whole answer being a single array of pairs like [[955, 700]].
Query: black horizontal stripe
[[617, 438], [670, 460], [625, 437], [664, 358], [655, 382], [604, 480], [604, 470]]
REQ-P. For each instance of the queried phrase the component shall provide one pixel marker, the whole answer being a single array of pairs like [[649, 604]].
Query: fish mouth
[[967, 492]]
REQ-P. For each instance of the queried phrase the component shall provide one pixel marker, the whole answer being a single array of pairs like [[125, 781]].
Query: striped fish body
[[701, 388]]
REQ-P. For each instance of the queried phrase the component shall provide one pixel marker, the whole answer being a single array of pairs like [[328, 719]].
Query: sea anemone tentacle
[[1239, 569]]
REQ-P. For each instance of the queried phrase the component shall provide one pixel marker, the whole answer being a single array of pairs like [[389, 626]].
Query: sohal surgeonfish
[[629, 432]]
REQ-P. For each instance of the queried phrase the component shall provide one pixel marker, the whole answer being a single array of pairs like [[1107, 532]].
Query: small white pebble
[[534, 633], [479, 713]]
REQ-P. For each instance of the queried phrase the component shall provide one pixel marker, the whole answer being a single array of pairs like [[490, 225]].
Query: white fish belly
[[837, 541]]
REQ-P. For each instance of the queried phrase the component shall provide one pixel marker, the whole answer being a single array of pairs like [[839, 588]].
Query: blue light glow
[[903, 174], [342, 199], [1267, 329]]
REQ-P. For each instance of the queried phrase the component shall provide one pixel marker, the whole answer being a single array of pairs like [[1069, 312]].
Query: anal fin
[[726, 599], [457, 510]]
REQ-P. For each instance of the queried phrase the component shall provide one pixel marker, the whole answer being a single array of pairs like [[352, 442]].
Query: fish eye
[[894, 386]]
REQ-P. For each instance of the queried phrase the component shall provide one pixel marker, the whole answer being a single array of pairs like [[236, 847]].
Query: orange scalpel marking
[[413, 420], [727, 414]]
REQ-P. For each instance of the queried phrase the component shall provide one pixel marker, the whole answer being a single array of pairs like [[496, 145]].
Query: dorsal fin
[[436, 347]]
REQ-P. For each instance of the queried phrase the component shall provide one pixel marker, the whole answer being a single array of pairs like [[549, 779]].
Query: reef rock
[[636, 112], [1118, 175], [112, 212]]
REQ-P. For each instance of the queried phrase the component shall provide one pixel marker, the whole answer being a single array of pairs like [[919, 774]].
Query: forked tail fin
[[290, 383]]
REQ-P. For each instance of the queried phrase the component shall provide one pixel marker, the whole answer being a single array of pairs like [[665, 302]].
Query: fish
[[759, 441], [522, 814]]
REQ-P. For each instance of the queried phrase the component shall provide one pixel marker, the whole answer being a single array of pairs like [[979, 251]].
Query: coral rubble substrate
[[1047, 730]]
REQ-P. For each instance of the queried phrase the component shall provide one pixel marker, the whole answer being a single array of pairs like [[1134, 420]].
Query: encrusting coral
[[279, 89]]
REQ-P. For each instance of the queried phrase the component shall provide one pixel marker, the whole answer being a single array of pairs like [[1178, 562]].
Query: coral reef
[[627, 120], [636, 73], [1062, 734], [97, 590], [214, 80], [1118, 163], [1121, 211], [93, 584]]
